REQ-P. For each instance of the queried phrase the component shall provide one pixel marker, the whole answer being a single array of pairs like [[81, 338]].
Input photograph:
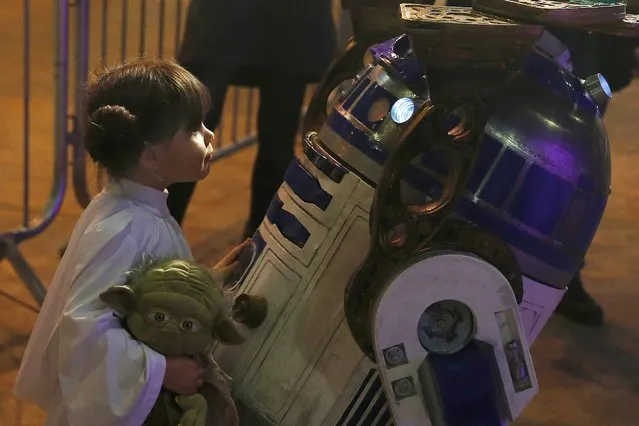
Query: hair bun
[[110, 131]]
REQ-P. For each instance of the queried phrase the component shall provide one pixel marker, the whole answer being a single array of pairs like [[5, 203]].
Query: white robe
[[80, 365]]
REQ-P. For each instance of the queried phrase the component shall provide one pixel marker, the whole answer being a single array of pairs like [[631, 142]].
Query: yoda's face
[[175, 308], [172, 324]]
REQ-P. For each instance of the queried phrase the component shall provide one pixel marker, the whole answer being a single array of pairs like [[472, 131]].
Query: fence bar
[[105, 32], [23, 270], [123, 33], [9, 240], [61, 75], [236, 146], [219, 131], [27, 110], [161, 29], [178, 25], [82, 42], [250, 114], [236, 110], [142, 51]]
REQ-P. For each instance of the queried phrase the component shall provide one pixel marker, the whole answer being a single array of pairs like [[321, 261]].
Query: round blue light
[[402, 110], [604, 85]]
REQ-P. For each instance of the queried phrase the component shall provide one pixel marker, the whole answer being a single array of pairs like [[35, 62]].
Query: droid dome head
[[541, 175]]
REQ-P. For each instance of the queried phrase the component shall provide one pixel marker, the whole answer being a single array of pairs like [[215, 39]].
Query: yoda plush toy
[[176, 308]]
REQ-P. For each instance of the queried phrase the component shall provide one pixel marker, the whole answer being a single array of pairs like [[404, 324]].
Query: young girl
[[145, 128]]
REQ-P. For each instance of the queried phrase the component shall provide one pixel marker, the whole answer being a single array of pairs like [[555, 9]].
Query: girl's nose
[[209, 136]]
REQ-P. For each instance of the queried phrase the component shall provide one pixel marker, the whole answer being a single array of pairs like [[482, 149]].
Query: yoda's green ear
[[119, 297], [226, 332]]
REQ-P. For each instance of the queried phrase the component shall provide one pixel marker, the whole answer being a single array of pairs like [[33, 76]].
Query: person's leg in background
[[217, 82], [614, 58], [577, 305], [281, 100]]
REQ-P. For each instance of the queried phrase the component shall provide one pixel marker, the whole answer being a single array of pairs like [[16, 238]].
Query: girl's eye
[[191, 325], [196, 129], [159, 316]]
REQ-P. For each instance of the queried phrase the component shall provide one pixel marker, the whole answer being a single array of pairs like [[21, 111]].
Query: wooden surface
[[588, 377]]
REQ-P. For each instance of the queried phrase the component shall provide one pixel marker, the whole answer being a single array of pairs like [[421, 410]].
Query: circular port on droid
[[598, 89], [250, 310], [446, 327]]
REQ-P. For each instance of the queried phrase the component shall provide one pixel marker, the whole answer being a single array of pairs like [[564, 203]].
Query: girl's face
[[187, 157]]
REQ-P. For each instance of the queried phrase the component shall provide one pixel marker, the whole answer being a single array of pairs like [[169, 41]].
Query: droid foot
[[579, 307]]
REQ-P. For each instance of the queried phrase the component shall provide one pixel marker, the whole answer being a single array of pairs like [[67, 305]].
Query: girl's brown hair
[[139, 103]]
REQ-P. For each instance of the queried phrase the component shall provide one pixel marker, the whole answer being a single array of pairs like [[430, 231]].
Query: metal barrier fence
[[89, 34]]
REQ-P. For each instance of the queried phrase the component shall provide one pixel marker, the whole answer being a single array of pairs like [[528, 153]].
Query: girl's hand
[[183, 375], [228, 260]]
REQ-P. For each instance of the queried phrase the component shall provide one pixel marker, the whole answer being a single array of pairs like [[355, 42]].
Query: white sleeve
[[106, 377]]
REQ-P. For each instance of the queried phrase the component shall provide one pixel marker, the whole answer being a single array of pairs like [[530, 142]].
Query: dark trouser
[[281, 99]]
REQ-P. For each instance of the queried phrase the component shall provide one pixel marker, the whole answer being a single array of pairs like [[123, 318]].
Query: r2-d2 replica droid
[[427, 232]]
